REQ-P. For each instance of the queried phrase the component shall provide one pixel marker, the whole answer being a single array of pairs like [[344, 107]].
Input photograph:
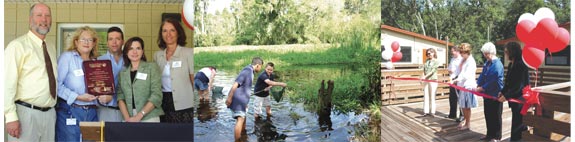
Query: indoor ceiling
[[97, 1]]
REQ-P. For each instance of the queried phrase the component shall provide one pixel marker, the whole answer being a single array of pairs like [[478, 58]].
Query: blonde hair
[[76, 37], [465, 48]]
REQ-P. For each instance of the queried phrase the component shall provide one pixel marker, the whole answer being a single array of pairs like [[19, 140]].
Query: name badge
[[70, 121], [176, 64], [78, 72], [141, 76]]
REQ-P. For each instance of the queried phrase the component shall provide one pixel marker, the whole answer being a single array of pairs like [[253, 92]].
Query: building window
[[561, 58], [382, 49], [406, 52], [66, 33]]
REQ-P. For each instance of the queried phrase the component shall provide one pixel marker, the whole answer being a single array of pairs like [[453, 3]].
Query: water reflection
[[265, 130], [324, 119], [206, 111], [290, 121]]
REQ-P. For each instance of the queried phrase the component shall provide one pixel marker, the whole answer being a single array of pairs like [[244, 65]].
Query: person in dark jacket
[[516, 78]]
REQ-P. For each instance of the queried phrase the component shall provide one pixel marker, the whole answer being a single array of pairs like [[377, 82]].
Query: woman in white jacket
[[466, 79]]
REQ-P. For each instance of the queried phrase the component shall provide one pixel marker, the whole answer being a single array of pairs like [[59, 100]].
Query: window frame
[[66, 27]]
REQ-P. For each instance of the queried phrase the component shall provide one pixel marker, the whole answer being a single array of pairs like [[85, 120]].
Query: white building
[[413, 46]]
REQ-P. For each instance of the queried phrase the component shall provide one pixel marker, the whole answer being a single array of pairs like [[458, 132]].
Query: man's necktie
[[50, 70]]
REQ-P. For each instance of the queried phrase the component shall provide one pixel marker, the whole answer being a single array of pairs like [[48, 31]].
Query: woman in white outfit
[[466, 79]]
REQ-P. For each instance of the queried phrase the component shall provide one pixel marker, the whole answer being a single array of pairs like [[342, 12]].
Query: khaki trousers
[[35, 125]]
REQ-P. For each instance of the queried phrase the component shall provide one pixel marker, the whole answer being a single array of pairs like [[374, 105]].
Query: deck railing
[[554, 123], [399, 92]]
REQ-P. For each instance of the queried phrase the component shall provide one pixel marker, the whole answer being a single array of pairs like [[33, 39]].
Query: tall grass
[[334, 55], [354, 91], [361, 89], [366, 93]]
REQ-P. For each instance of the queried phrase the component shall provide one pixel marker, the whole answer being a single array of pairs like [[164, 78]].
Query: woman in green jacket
[[139, 93], [430, 88]]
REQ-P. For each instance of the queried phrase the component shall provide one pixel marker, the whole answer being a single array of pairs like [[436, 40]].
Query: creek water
[[289, 121]]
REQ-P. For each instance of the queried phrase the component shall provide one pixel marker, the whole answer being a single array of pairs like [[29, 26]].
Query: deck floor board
[[406, 121]]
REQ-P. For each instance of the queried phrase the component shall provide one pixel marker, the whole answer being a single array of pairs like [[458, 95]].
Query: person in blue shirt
[[490, 82], [262, 93], [239, 95], [74, 103], [108, 105]]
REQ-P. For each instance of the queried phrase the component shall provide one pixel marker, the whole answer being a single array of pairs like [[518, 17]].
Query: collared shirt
[[181, 68], [242, 94], [491, 77], [466, 77], [116, 68], [71, 80], [262, 85], [145, 88], [430, 67], [453, 66], [26, 77]]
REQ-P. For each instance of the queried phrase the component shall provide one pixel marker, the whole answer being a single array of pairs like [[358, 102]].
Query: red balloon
[[395, 46], [545, 32], [560, 42], [533, 56], [524, 30], [396, 56]]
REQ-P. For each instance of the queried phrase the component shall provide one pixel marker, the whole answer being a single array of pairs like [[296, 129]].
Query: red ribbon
[[463, 89], [531, 98]]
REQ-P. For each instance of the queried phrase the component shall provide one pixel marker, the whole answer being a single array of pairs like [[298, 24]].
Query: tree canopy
[[472, 21], [272, 22]]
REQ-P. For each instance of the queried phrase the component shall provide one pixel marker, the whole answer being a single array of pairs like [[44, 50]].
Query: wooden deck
[[404, 123]]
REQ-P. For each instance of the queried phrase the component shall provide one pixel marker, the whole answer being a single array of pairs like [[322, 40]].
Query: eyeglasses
[[86, 40]]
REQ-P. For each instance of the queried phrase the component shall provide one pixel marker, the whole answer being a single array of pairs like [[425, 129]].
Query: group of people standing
[[491, 82], [239, 95], [45, 100]]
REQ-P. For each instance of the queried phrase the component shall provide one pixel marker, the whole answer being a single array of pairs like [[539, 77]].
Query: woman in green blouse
[[430, 88], [139, 93]]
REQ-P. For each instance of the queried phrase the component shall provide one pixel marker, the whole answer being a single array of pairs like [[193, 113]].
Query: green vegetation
[[353, 92], [294, 116], [371, 131], [471, 21], [239, 59], [349, 27], [272, 22]]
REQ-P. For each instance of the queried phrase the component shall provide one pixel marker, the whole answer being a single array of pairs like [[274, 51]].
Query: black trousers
[[453, 103], [517, 126], [492, 110], [171, 115]]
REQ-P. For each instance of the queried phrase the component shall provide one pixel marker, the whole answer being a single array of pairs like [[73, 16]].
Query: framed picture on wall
[[66, 32]]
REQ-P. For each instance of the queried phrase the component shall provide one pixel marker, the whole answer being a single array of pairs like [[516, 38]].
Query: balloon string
[[551, 56], [536, 77]]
